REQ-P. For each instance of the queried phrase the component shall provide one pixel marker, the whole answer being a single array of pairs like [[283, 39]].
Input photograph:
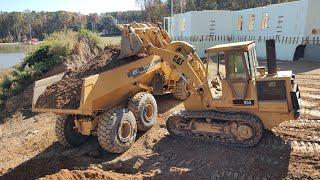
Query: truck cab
[[240, 84]]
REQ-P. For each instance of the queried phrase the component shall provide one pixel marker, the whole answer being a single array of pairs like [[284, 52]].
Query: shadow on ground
[[55, 158], [180, 159]]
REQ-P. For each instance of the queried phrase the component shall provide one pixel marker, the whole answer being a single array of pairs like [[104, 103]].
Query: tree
[[107, 25]]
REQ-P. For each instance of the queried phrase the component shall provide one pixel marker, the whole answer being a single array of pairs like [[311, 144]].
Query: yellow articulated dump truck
[[116, 103]]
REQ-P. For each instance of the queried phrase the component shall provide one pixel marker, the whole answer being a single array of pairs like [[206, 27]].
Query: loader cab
[[236, 67]]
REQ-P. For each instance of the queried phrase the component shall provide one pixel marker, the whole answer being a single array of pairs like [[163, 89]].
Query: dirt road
[[29, 149]]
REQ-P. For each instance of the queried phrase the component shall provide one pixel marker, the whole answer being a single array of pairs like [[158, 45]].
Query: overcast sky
[[83, 6]]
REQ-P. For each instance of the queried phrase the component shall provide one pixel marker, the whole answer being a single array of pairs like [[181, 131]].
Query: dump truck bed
[[100, 91]]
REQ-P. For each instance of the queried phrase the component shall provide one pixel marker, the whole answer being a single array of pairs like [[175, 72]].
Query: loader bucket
[[130, 44], [41, 85]]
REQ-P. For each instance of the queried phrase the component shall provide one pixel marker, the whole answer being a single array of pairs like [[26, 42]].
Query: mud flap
[[295, 98]]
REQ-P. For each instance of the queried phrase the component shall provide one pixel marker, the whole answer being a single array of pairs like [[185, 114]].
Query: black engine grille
[[271, 90]]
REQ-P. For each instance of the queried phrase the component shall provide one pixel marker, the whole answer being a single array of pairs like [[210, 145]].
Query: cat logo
[[178, 60]]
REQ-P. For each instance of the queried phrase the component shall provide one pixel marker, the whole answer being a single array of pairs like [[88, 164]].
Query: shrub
[[94, 37], [6, 83]]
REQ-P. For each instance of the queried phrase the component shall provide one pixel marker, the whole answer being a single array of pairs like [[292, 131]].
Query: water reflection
[[8, 59]]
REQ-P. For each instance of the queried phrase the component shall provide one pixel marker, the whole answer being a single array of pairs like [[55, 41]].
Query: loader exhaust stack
[[271, 56]]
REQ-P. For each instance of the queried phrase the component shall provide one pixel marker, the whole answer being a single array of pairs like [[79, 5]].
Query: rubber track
[[226, 116]]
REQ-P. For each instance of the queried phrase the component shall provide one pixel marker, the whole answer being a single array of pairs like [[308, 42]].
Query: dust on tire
[[145, 109], [109, 135]]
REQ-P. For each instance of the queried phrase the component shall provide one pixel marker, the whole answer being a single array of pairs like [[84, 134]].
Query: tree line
[[19, 26], [156, 10]]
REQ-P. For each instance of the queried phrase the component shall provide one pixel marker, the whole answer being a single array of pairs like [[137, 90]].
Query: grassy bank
[[42, 58]]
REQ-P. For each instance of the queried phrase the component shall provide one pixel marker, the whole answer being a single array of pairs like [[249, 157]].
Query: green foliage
[[93, 37], [6, 83]]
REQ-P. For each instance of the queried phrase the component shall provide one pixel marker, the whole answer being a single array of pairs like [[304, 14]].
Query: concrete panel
[[312, 52]]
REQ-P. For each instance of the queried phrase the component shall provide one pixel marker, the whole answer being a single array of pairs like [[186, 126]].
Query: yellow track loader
[[231, 101], [238, 103]]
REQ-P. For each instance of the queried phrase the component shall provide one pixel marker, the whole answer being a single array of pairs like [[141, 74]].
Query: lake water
[[8, 59], [12, 53]]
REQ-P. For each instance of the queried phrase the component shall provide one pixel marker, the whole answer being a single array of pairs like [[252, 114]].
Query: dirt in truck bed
[[66, 93]]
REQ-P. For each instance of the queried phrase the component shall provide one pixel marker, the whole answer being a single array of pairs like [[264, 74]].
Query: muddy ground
[[29, 148]]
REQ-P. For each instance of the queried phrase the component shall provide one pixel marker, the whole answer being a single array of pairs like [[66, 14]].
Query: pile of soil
[[92, 173], [66, 93]]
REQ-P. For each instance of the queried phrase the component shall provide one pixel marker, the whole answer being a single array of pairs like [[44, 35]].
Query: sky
[[83, 6]]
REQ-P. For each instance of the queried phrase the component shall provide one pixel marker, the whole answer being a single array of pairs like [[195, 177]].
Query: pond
[[11, 54], [8, 59]]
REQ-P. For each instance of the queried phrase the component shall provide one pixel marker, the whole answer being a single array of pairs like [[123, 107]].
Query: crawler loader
[[230, 101], [233, 107]]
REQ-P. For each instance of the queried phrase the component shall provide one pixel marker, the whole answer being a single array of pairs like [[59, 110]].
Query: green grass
[[115, 40]]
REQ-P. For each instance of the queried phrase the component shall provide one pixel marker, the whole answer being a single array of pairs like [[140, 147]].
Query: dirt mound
[[83, 51], [92, 173], [66, 94]]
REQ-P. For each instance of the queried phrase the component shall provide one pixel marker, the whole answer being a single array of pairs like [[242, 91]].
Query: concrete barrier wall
[[285, 46], [290, 24]]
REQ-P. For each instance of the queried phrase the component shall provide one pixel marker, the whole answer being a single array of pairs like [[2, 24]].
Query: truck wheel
[[145, 109], [117, 130], [66, 132], [180, 92]]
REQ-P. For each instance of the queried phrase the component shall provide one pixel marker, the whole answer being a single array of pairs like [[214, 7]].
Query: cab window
[[236, 67]]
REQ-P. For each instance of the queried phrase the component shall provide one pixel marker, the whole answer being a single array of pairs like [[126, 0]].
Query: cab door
[[237, 77]]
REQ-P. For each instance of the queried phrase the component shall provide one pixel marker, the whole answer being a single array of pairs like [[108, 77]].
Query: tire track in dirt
[[304, 147]]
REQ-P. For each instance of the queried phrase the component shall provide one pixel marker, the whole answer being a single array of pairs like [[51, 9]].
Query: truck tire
[[145, 109], [180, 92], [66, 133], [117, 130]]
